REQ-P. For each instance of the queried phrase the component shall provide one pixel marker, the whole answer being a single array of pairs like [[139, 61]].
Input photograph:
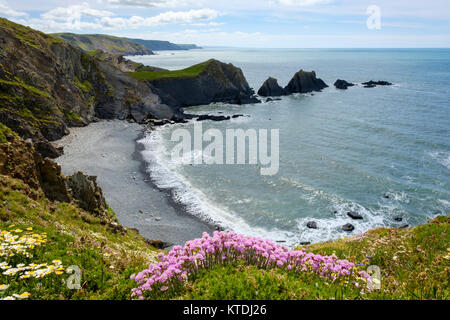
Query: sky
[[247, 23]]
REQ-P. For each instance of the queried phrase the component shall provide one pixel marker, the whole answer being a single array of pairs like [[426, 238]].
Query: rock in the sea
[[404, 226], [271, 88], [312, 225], [215, 82], [398, 219], [305, 243], [305, 82], [354, 215], [372, 84], [348, 227], [342, 84], [212, 118]]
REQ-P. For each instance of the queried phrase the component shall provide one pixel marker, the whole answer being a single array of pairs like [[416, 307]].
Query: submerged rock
[[354, 215], [342, 84], [271, 88], [312, 225], [348, 227], [305, 82]]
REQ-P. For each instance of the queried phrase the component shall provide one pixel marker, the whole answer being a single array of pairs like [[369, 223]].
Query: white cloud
[[7, 11], [154, 3], [75, 12], [170, 17], [302, 3]]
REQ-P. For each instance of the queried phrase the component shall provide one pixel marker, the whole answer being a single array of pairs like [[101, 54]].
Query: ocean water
[[339, 150]]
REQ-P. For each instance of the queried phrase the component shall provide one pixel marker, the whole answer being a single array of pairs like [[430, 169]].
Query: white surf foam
[[166, 173]]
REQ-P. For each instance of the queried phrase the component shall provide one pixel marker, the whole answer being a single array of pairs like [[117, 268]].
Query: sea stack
[[342, 84], [271, 88], [305, 82]]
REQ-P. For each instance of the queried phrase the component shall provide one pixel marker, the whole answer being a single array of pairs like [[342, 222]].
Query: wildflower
[[106, 254], [3, 287], [24, 295], [9, 298]]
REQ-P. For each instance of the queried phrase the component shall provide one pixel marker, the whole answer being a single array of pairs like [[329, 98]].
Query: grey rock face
[[305, 82], [271, 88], [342, 84]]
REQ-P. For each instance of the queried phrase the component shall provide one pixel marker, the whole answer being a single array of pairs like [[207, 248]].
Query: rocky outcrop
[[342, 84], [271, 88], [348, 227], [87, 193], [214, 82], [373, 84], [47, 86], [19, 160], [354, 215], [305, 82]]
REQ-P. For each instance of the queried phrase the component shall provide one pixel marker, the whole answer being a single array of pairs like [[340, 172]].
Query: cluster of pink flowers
[[182, 263]]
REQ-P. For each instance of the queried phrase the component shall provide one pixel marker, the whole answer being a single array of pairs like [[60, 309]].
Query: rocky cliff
[[205, 83], [46, 85], [106, 43], [20, 160]]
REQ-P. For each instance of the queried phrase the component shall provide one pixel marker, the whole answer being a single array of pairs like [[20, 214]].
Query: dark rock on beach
[[348, 227], [305, 82], [271, 88], [158, 244], [305, 243], [354, 215], [342, 84], [312, 225]]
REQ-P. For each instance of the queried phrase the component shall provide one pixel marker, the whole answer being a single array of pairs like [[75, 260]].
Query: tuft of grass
[[4, 131], [190, 72]]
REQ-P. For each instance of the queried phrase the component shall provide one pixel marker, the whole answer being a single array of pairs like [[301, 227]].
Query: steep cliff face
[[47, 85], [205, 83]]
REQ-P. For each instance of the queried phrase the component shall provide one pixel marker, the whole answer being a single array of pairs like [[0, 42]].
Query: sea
[[381, 152]]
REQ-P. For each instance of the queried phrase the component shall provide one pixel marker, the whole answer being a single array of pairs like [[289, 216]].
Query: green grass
[[31, 89], [190, 72], [4, 131], [76, 238]]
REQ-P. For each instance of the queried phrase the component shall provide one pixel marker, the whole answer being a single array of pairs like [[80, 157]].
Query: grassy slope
[[190, 72], [106, 258], [414, 264]]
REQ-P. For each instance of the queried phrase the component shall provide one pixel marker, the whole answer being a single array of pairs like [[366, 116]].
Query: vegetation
[[64, 236], [190, 72], [414, 264], [92, 42]]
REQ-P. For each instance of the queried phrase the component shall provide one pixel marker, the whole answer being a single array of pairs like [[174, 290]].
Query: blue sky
[[247, 23]]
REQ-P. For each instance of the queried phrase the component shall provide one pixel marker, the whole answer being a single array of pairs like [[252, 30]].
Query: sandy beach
[[108, 150]]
